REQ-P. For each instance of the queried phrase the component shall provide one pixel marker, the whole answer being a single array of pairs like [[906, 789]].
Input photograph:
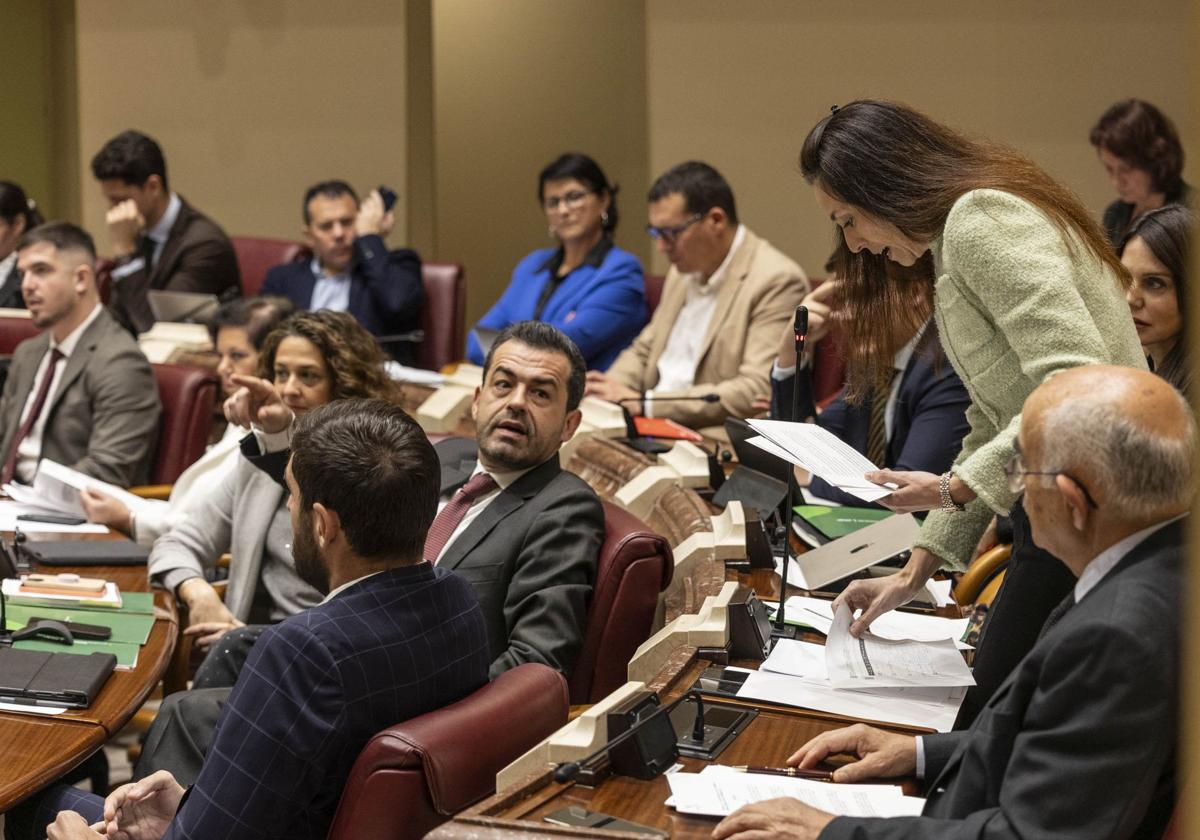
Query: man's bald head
[[1126, 434]]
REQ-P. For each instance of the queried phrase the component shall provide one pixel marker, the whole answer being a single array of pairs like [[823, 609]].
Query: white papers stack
[[56, 490], [820, 452], [795, 674], [871, 661], [9, 511], [718, 791], [818, 613]]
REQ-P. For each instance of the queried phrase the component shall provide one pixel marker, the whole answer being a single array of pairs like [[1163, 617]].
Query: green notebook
[[127, 628], [834, 522]]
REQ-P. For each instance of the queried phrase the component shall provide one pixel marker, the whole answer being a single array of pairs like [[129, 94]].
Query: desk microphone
[[800, 330], [567, 771], [644, 398], [411, 337]]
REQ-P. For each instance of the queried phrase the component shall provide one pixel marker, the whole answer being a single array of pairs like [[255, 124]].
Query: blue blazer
[[315, 689], [386, 292], [927, 429], [601, 309]]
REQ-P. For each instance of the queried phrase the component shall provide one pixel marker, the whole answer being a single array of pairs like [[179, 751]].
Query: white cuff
[[269, 442], [920, 757], [779, 374], [648, 404]]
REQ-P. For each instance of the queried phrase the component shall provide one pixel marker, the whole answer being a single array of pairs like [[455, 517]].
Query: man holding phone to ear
[[352, 269]]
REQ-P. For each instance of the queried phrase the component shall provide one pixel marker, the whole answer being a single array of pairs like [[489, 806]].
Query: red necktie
[[452, 514], [39, 402]]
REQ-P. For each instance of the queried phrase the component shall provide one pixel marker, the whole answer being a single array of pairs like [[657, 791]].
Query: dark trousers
[[181, 734], [224, 662], [1034, 584], [28, 820]]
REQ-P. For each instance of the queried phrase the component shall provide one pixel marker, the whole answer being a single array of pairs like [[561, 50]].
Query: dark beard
[[309, 565]]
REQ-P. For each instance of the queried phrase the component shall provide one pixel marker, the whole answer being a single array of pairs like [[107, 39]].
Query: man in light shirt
[[727, 295], [352, 269], [1080, 740], [81, 393], [158, 240]]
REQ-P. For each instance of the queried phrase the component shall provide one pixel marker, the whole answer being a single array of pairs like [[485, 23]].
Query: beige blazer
[[755, 301]]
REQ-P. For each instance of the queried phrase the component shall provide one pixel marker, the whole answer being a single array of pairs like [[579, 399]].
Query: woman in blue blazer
[[587, 287]]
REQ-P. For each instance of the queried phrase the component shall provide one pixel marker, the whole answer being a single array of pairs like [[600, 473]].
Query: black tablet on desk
[[63, 680]]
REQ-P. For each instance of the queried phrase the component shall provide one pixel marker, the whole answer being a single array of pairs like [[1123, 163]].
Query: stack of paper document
[[820, 452], [818, 614], [871, 661], [718, 791], [56, 489]]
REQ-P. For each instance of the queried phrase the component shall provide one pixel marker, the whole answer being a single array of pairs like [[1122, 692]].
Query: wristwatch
[[948, 503]]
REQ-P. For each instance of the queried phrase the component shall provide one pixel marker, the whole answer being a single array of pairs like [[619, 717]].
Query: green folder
[[834, 522], [127, 628]]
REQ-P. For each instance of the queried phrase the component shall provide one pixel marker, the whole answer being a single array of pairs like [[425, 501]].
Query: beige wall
[[252, 102], [740, 84], [516, 84]]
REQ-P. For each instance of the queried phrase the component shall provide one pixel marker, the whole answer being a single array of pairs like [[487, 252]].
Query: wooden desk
[[35, 750]]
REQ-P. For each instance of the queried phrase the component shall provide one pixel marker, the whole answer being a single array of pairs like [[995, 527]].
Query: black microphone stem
[[800, 328]]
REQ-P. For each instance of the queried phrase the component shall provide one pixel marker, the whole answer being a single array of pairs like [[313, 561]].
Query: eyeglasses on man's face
[[570, 201], [670, 234], [1015, 472]]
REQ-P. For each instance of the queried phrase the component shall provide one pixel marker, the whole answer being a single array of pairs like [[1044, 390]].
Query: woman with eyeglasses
[[1024, 285], [586, 286], [1156, 254]]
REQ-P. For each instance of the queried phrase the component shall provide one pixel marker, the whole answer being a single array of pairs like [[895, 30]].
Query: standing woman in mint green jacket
[[1024, 285]]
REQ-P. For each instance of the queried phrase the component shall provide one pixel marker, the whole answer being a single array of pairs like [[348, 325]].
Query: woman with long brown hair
[[1024, 285]]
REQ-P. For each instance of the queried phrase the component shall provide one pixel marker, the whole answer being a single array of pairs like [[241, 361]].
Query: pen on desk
[[797, 772]]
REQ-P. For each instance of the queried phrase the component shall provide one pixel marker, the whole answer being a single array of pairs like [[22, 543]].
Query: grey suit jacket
[[235, 517], [531, 556], [103, 418], [1079, 741]]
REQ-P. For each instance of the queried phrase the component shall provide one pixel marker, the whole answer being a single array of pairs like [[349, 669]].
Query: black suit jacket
[[197, 257], [927, 429], [531, 556], [386, 292], [1079, 741], [10, 290]]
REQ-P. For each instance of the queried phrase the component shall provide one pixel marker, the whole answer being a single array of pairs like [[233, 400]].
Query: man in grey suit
[[1079, 741], [523, 531], [81, 393]]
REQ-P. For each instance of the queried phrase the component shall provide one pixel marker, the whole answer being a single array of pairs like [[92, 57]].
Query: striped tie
[[877, 430]]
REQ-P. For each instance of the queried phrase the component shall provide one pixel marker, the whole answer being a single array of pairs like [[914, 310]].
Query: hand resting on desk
[[881, 755]]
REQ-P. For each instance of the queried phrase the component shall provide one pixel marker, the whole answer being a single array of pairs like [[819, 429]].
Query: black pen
[[795, 772]]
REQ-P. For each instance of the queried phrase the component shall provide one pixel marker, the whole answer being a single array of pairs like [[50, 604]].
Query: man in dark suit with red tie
[[394, 639], [158, 240], [81, 393]]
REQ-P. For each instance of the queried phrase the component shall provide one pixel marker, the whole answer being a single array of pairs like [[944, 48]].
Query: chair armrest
[[974, 579], [152, 491]]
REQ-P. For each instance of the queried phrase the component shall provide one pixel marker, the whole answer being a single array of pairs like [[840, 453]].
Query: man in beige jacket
[[726, 298]]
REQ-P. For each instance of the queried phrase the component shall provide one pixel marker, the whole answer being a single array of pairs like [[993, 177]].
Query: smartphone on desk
[[90, 632], [51, 519], [578, 817]]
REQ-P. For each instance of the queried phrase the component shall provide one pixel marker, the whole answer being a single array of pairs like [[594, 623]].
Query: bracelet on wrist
[[947, 501]]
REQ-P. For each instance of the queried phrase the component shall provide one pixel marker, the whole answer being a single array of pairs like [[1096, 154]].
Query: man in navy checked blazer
[[395, 638]]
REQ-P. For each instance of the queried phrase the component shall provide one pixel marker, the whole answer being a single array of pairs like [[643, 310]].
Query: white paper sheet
[[10, 510], [61, 485], [718, 791], [26, 709], [872, 661], [822, 453], [818, 613], [881, 705]]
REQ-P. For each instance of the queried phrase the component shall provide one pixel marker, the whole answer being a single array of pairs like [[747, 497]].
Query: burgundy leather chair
[[415, 775], [188, 395], [635, 566], [104, 267], [258, 255], [13, 331], [444, 316], [829, 366], [654, 289]]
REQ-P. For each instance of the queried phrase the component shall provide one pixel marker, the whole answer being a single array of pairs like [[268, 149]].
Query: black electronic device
[[389, 197], [759, 553], [705, 729], [720, 681], [652, 749], [764, 493], [576, 816], [749, 626], [51, 519], [91, 632], [87, 552]]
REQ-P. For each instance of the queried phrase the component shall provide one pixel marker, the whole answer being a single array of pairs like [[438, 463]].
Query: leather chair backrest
[[258, 255], [13, 331], [444, 316], [654, 290], [415, 775], [635, 565], [104, 268], [188, 395], [829, 366]]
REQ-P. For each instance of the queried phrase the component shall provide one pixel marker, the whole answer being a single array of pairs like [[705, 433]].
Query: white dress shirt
[[332, 291], [30, 449], [681, 355]]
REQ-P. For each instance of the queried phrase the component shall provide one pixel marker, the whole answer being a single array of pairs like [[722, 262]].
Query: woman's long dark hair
[[904, 168], [14, 204], [1167, 233]]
